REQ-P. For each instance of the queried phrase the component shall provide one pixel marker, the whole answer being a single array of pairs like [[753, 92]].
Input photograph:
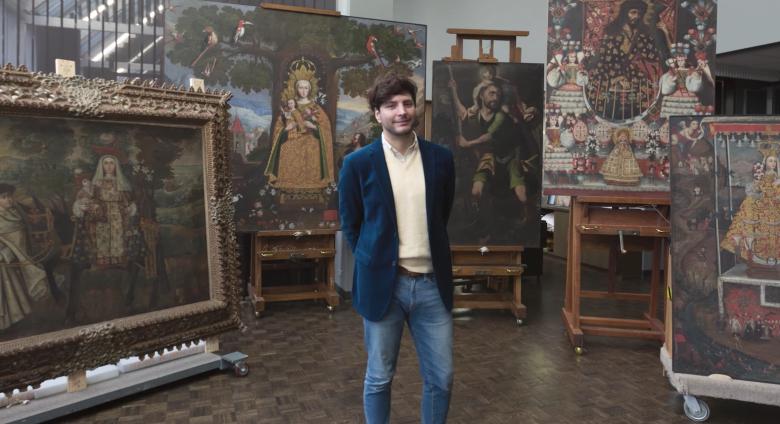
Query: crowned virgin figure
[[754, 234], [301, 159]]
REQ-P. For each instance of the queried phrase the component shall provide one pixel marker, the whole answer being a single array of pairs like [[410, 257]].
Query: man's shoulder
[[359, 155], [437, 148]]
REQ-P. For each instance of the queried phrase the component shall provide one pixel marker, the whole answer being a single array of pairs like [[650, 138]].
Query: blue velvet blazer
[[368, 221]]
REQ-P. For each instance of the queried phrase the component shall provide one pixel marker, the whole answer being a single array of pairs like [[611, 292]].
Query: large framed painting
[[616, 71], [726, 246], [299, 82], [490, 116], [116, 222]]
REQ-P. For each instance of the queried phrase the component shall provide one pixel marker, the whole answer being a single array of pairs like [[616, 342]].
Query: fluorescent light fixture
[[152, 14], [110, 2], [111, 47], [160, 8], [144, 20], [85, 19], [146, 49], [121, 70], [101, 8], [93, 14]]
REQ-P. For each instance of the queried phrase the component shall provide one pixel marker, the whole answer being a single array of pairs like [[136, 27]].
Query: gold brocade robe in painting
[[754, 233], [108, 224], [621, 167], [302, 158], [22, 281]]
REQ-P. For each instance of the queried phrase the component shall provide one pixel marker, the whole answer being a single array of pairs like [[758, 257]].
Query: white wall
[[375, 9], [438, 15], [747, 23]]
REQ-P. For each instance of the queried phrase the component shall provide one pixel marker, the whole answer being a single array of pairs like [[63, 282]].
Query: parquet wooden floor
[[307, 367]]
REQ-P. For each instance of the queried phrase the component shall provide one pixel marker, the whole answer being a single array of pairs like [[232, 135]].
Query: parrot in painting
[[211, 40], [240, 30], [371, 48]]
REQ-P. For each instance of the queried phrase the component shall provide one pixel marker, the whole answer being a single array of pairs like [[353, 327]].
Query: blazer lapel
[[380, 167], [429, 169]]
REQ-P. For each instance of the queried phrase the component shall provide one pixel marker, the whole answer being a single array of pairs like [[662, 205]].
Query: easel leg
[[333, 295], [255, 290], [518, 309]]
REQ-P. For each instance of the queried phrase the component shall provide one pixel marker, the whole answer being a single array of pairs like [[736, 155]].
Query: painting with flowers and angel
[[298, 108], [616, 71], [726, 246]]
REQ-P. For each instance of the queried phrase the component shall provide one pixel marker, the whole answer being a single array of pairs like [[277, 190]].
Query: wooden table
[[639, 229], [280, 246]]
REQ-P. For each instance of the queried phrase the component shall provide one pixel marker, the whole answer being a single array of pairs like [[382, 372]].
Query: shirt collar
[[398, 155]]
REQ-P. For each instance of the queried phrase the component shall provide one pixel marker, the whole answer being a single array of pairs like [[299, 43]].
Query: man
[[395, 197], [624, 79], [22, 279], [499, 182]]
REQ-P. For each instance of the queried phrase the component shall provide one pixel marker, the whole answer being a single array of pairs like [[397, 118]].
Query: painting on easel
[[726, 246], [616, 71], [489, 115], [299, 82]]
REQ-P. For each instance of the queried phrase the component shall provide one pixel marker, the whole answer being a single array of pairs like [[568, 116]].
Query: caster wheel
[[519, 322], [241, 369], [579, 350], [697, 416]]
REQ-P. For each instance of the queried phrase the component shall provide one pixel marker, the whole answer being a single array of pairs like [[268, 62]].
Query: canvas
[[114, 223], [616, 71], [490, 116], [726, 246], [299, 106]]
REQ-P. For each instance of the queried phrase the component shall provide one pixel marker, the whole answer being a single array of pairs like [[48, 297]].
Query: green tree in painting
[[344, 49]]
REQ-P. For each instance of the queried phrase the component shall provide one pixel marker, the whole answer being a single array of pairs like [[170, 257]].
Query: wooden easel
[[277, 246], [470, 261], [594, 217]]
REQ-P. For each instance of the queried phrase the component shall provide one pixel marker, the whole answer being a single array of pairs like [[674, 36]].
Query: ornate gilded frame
[[31, 360]]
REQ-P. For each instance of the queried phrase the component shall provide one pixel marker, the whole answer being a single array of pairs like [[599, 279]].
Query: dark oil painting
[[490, 117], [98, 221], [726, 246]]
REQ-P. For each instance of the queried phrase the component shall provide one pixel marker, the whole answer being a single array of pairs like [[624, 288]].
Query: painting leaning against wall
[[299, 106], [616, 71], [726, 246]]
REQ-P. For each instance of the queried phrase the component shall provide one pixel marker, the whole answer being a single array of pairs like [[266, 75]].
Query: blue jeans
[[417, 302]]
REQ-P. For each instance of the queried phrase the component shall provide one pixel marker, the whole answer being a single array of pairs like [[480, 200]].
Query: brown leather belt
[[406, 272]]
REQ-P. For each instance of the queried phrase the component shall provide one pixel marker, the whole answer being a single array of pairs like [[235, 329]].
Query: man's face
[[397, 115], [491, 98], [633, 16]]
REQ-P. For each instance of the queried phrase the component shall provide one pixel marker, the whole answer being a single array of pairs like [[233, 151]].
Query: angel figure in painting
[[621, 167], [301, 157], [753, 234]]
